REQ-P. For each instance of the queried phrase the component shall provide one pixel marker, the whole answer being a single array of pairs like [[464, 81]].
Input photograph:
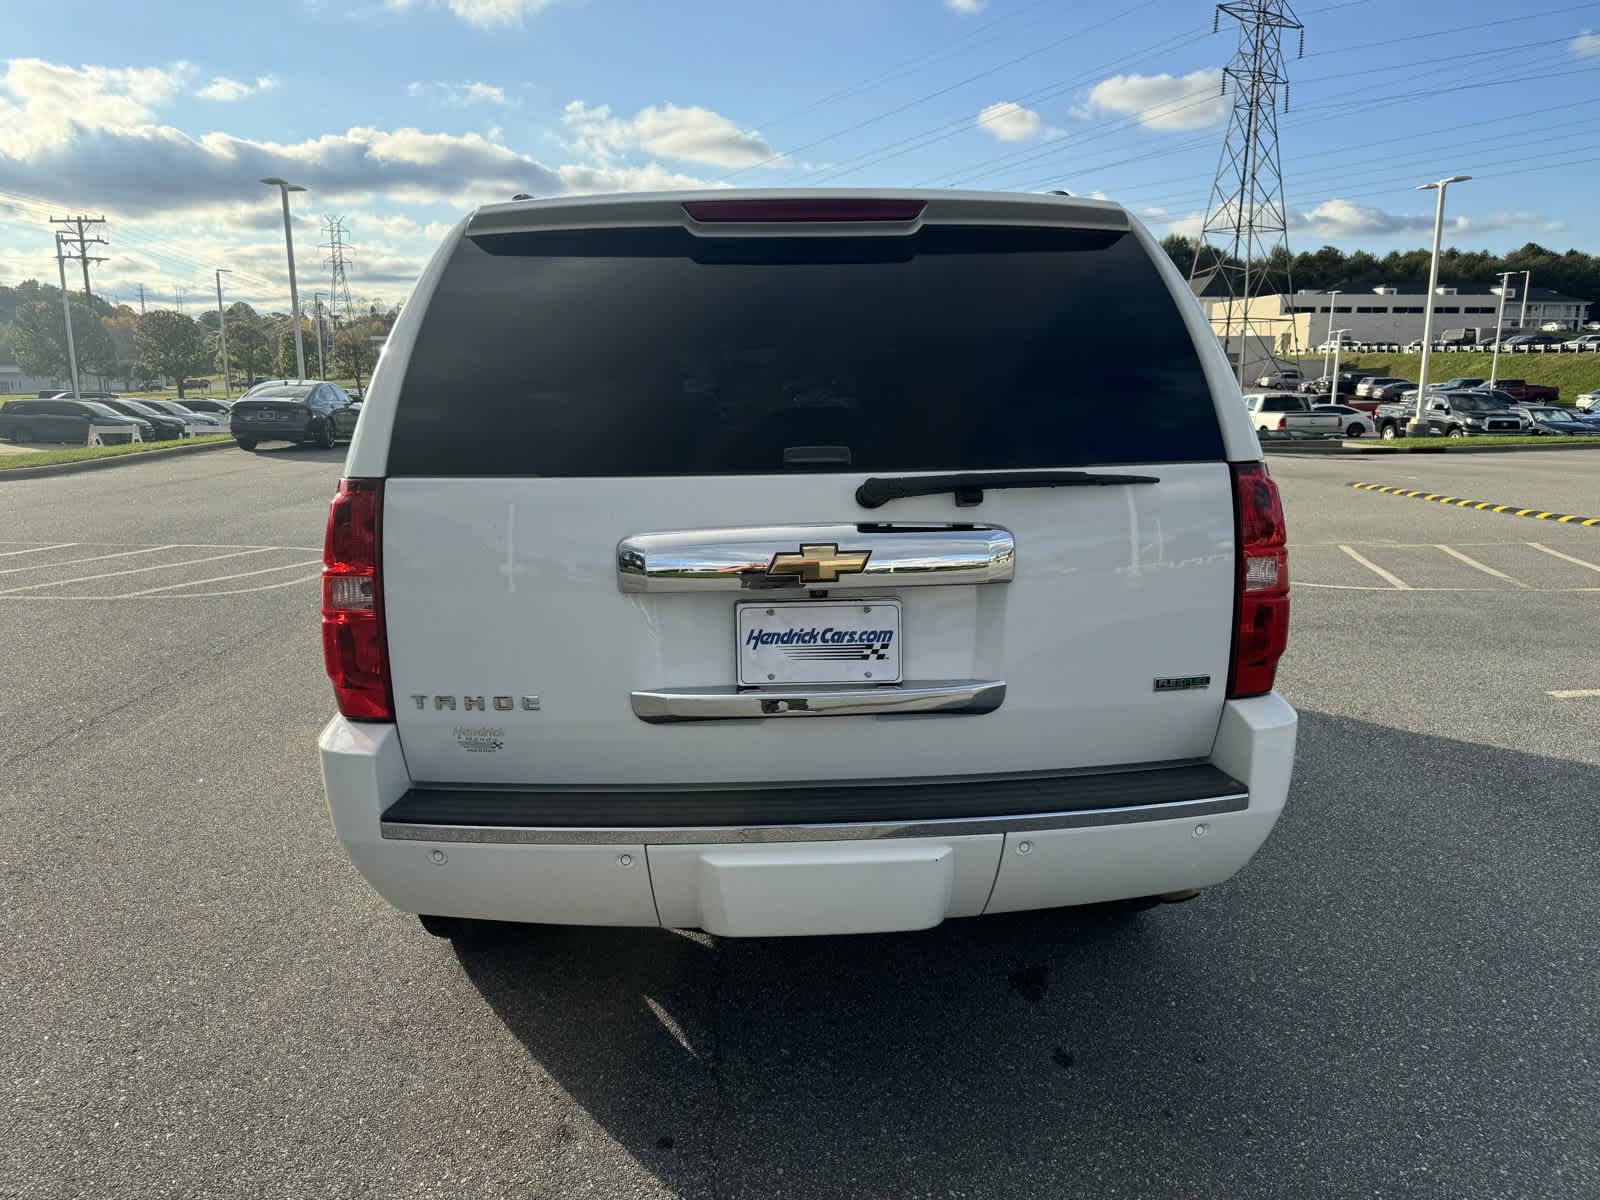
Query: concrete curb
[[1510, 510], [100, 464]]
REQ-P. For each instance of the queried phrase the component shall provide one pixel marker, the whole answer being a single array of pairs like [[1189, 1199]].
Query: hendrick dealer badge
[[819, 641]]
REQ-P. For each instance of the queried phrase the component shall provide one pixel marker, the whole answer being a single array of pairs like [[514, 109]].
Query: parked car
[[1586, 341], [67, 420], [1373, 386], [1322, 385], [1459, 384], [1287, 412], [1352, 421], [1587, 401], [1284, 377], [1532, 393], [1332, 344], [259, 384], [198, 423], [1546, 418], [294, 412], [1451, 414], [167, 427], [208, 406], [603, 559], [1529, 339]]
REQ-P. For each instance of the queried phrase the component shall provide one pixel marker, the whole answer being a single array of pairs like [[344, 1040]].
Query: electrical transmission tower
[[338, 258], [339, 285], [80, 238], [1242, 261]]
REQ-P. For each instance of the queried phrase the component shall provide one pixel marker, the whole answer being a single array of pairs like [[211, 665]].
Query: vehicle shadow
[[291, 452], [1391, 999]]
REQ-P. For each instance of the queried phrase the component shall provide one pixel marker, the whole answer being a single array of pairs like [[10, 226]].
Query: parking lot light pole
[[1499, 321], [1333, 299], [284, 188], [1338, 345], [1522, 318], [222, 334], [1416, 427]]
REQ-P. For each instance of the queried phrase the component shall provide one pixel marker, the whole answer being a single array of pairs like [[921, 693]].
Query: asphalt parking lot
[[202, 998]]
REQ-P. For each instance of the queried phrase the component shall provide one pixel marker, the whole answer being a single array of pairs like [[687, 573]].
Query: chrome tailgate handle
[[852, 557]]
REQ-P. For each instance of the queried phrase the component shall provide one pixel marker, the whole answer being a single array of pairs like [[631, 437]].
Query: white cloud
[[1164, 102], [42, 102], [484, 13], [1585, 45], [687, 134], [462, 95], [1010, 122], [1344, 219], [226, 90], [966, 6]]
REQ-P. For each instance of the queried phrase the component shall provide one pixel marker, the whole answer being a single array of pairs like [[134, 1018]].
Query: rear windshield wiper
[[968, 486]]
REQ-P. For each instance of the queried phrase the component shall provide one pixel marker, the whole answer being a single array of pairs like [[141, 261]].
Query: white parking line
[[1389, 577], [71, 562], [173, 587], [38, 549], [1576, 694], [1476, 565], [1564, 557], [187, 562], [265, 587]]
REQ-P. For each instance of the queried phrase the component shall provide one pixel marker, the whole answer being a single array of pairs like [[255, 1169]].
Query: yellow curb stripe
[[1479, 505]]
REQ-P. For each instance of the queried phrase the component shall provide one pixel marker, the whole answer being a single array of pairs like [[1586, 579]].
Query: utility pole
[[1499, 322], [141, 299], [83, 241], [222, 334], [1522, 319], [1333, 299], [177, 296], [66, 310], [1246, 210]]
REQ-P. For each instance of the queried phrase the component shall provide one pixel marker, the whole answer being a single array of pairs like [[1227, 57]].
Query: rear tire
[[1356, 430], [327, 437], [246, 443]]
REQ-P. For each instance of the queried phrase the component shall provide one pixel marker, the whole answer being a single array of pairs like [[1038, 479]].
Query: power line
[[923, 99]]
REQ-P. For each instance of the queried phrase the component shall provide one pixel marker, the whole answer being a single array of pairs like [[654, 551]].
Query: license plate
[[820, 641]]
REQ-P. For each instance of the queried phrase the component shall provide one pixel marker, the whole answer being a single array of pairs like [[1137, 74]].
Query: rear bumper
[[268, 431], [871, 858]]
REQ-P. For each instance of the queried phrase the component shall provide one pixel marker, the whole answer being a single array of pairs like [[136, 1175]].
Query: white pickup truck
[[1287, 412]]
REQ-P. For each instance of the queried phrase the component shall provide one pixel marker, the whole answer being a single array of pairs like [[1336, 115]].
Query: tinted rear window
[[280, 393], [654, 352]]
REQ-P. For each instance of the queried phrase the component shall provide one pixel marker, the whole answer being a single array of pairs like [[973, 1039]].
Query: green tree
[[170, 344], [249, 344], [39, 339], [1180, 250]]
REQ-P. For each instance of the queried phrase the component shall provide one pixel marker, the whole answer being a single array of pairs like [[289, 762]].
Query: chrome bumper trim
[[969, 696], [845, 832]]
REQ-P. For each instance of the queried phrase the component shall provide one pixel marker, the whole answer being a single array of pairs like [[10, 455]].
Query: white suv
[[757, 562]]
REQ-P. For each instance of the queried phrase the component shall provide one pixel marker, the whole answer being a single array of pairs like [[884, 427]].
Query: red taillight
[[820, 209], [1261, 600], [353, 644], [1283, 422]]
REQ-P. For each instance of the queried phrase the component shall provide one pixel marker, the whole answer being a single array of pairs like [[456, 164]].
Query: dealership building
[[1386, 314]]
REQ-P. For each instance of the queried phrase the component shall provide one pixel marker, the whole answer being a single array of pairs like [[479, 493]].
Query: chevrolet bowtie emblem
[[822, 563]]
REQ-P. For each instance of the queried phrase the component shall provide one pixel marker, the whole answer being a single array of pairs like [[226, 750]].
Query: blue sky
[[402, 114]]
